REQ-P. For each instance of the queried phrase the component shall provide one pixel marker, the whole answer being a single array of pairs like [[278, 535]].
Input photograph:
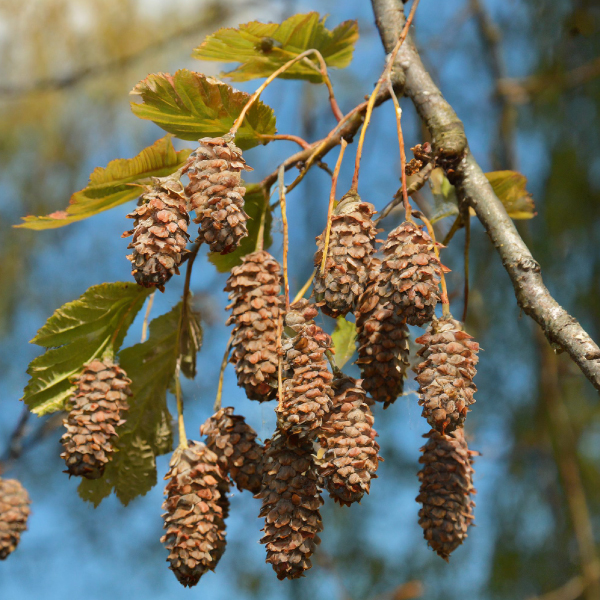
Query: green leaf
[[444, 196], [262, 48], [509, 186], [147, 430], [111, 186], [344, 341], [76, 333], [192, 106], [254, 205]]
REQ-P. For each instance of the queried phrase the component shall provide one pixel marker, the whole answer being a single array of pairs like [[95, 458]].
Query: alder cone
[[98, 404], [307, 393], [446, 490], [410, 273], [14, 512], [216, 194], [159, 233], [446, 374], [234, 443], [196, 506], [383, 348], [256, 307], [348, 439], [290, 506], [348, 256]]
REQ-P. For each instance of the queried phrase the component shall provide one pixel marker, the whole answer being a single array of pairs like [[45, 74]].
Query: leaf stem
[[238, 122], [282, 191], [445, 301], [334, 180], [217, 405], [455, 227], [147, 317], [385, 76]]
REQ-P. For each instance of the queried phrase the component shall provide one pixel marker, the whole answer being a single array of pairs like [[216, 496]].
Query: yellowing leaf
[[264, 47], [344, 341], [76, 333], [254, 203], [110, 186], [509, 186], [192, 106]]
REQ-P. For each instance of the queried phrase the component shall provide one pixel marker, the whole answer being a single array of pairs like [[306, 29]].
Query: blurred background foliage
[[524, 76]]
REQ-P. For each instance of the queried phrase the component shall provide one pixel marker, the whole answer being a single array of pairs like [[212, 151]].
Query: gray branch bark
[[450, 142]]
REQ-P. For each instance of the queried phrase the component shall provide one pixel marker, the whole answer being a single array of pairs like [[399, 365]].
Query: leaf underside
[[262, 48], [192, 106], [76, 333], [344, 341], [111, 186]]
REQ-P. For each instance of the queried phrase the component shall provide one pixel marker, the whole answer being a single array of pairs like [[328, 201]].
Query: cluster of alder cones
[[325, 438]]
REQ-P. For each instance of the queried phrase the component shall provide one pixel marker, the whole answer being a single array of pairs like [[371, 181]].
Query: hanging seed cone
[[410, 273], [348, 439], [446, 374], [348, 256], [290, 505], [98, 404], [216, 194], [307, 392], [446, 489], [382, 337], [234, 443], [255, 306], [14, 512], [159, 232], [196, 506]]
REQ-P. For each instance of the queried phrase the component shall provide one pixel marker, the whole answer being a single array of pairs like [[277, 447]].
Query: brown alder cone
[[290, 505], [307, 393], [446, 374], [446, 489], [255, 306], [410, 273], [348, 439], [383, 349], [14, 512], [159, 232], [348, 256], [196, 506], [216, 194], [98, 404], [234, 443]]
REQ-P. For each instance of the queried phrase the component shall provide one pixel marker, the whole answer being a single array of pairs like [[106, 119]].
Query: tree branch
[[450, 144]]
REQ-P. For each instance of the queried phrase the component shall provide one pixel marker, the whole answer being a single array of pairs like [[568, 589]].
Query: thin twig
[[334, 180], [384, 77], [279, 361], [224, 362], [458, 223], [260, 242], [305, 287], [420, 180], [179, 398], [467, 244], [286, 281], [444, 297], [147, 317], [287, 137], [238, 122], [398, 113], [334, 368]]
